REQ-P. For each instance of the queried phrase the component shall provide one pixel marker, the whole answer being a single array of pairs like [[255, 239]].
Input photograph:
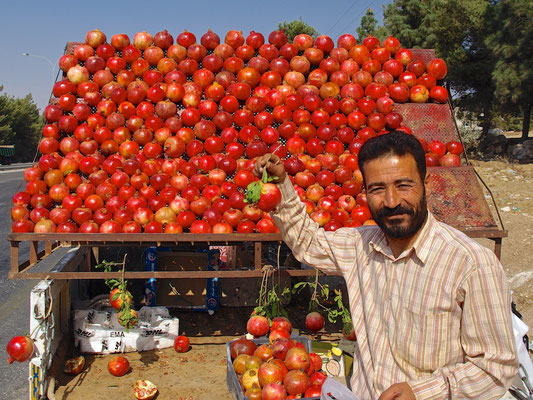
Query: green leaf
[[253, 192]]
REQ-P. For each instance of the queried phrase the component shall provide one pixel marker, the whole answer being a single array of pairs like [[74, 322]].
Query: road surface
[[14, 308]]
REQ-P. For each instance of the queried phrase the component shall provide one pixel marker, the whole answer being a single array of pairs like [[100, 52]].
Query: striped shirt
[[438, 316]]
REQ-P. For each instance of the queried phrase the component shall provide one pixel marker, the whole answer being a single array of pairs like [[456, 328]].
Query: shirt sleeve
[[327, 251], [487, 339]]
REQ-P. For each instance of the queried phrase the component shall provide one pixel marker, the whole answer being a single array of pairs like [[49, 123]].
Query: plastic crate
[[231, 377]]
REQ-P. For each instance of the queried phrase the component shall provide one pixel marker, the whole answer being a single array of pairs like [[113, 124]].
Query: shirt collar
[[421, 247]]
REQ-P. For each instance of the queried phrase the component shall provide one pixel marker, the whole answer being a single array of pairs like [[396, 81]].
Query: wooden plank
[[47, 247], [14, 253], [497, 247], [158, 274], [34, 247], [105, 239], [489, 233], [257, 255]]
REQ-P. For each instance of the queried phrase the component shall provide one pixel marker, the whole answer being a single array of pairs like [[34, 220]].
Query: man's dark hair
[[394, 143]]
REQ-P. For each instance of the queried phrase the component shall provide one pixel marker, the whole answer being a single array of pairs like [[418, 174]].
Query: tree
[[20, 124], [296, 27], [368, 25], [512, 46]]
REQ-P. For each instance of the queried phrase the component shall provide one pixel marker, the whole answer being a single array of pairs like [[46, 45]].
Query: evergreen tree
[[512, 44], [368, 25], [20, 124], [296, 27]]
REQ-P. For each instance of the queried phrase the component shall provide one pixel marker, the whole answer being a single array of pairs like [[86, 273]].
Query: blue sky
[[42, 28]]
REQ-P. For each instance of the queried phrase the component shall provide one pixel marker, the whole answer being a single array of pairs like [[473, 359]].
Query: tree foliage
[[368, 25], [512, 45], [20, 124], [296, 27]]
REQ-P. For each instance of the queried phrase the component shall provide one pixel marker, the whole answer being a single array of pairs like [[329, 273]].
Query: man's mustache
[[389, 212]]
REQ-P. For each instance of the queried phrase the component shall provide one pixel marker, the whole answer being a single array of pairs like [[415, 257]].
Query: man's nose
[[392, 197]]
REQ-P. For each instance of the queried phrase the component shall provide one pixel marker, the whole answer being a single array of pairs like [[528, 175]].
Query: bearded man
[[431, 307]]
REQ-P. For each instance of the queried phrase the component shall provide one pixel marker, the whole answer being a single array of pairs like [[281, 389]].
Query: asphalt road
[[15, 294]]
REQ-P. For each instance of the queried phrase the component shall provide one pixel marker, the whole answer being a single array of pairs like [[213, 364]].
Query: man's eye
[[376, 190]]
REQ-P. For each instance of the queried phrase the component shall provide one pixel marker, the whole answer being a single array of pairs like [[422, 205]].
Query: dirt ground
[[512, 187], [201, 372]]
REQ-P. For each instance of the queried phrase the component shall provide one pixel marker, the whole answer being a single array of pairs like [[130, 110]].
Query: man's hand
[[398, 391], [274, 167]]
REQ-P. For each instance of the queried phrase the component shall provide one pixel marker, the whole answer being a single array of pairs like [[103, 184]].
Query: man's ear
[[427, 180]]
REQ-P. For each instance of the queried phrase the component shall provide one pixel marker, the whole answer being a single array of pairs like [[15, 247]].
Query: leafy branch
[[269, 302], [340, 311], [127, 316], [314, 302], [333, 313]]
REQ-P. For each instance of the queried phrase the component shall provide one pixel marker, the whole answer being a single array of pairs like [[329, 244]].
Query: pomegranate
[[297, 358], [314, 321], [242, 346], [19, 348], [274, 391], [296, 382], [258, 325]]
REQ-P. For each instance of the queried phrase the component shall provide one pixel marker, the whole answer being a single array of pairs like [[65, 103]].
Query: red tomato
[[181, 344], [118, 366]]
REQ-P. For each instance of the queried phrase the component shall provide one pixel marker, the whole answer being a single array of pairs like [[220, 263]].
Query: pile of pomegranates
[[159, 134], [280, 368]]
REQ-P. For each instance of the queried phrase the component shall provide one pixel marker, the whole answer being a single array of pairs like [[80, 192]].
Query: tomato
[[270, 197], [118, 366], [181, 344], [144, 390], [74, 366]]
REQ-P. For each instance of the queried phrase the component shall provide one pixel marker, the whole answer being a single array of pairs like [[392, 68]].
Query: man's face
[[396, 195]]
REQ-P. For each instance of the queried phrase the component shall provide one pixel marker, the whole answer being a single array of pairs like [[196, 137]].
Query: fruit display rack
[[455, 196]]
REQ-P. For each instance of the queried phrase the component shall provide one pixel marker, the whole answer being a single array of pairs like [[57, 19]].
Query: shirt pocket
[[422, 340]]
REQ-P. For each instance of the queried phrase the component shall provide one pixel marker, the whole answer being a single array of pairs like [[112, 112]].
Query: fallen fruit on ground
[[73, 366], [181, 344], [118, 366], [144, 390]]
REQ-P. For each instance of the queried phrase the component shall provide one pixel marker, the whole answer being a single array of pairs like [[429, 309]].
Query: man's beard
[[416, 218]]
